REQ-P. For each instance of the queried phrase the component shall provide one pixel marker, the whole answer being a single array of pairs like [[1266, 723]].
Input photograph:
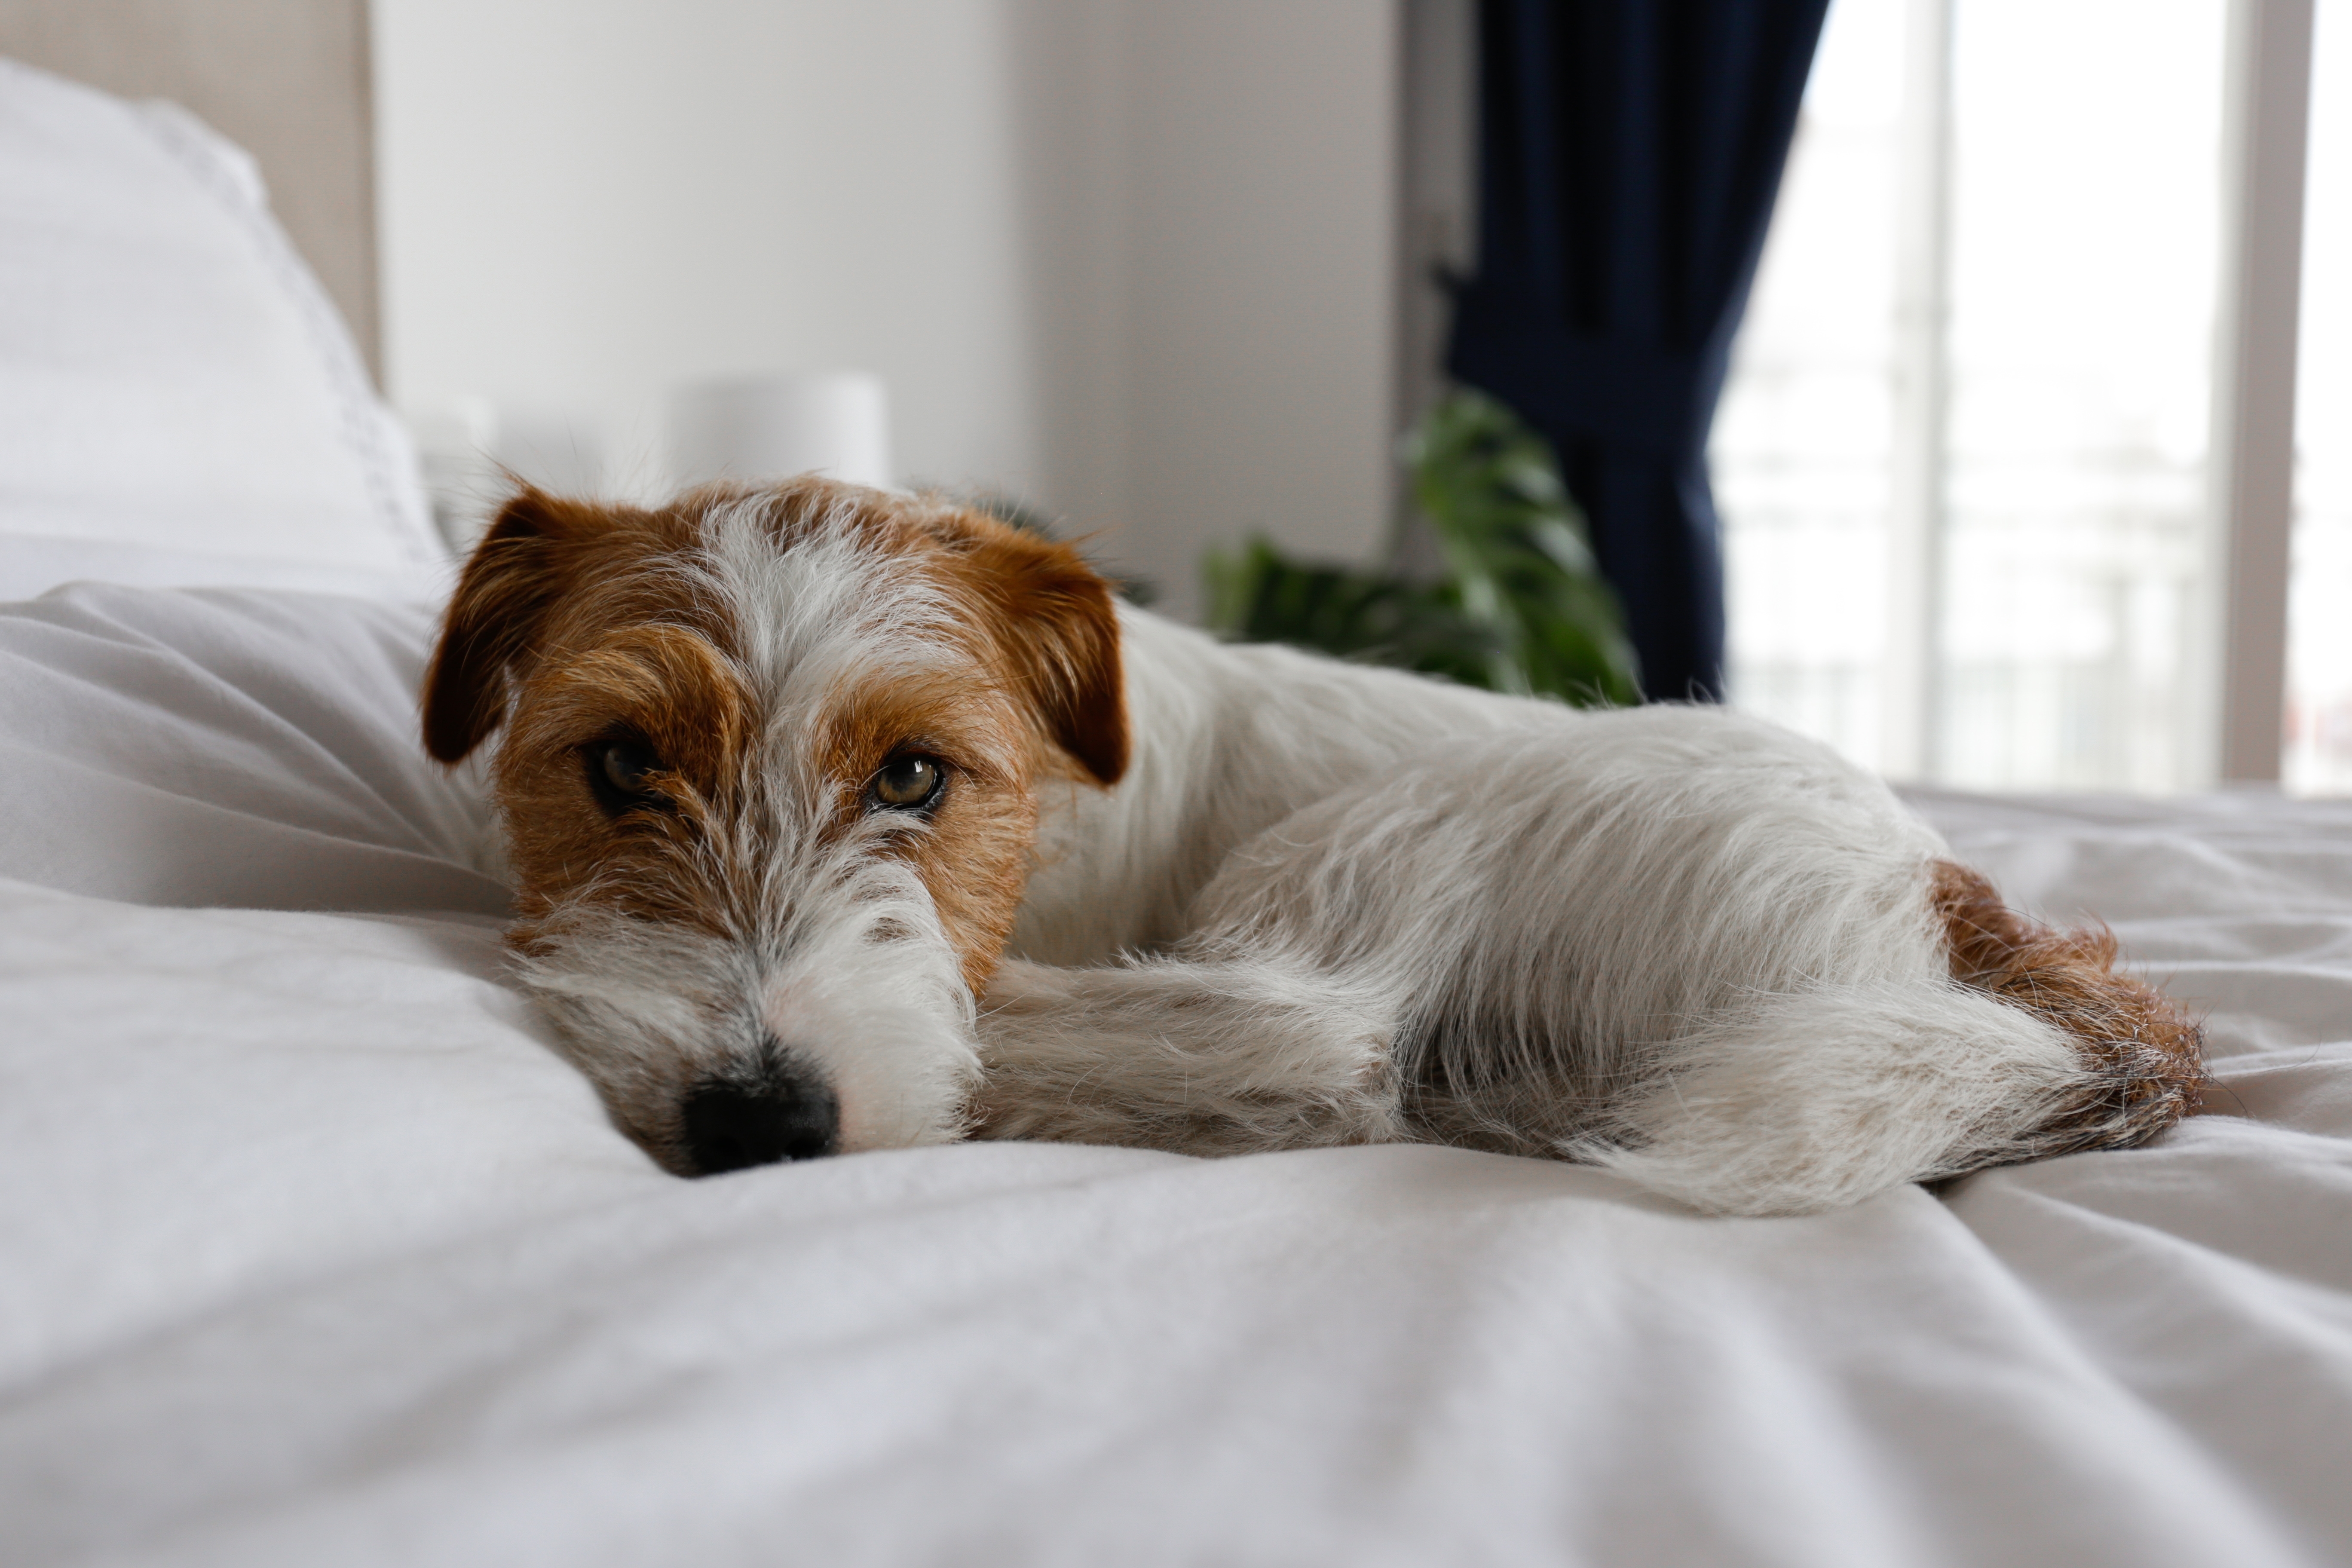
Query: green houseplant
[[1521, 605]]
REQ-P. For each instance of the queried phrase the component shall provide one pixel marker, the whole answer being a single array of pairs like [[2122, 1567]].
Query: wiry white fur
[[1814, 1098], [813, 619], [1210, 1055], [847, 970], [1227, 739], [1676, 942]]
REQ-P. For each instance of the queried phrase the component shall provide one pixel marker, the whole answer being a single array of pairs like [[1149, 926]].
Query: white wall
[[1130, 260]]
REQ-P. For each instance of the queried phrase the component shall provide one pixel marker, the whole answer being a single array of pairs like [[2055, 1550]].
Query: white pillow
[[235, 747], [181, 402]]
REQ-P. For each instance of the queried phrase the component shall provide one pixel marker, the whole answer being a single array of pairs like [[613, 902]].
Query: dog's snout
[[732, 1123]]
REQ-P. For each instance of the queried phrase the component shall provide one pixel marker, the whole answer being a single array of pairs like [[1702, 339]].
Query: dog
[[844, 820]]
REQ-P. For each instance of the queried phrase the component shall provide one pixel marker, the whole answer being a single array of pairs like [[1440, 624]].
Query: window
[[1963, 458], [2319, 649]]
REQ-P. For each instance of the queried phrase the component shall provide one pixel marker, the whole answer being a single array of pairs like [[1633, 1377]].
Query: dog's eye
[[621, 773], [906, 783]]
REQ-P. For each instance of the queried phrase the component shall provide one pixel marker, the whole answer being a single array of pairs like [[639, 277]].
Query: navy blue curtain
[[1629, 153]]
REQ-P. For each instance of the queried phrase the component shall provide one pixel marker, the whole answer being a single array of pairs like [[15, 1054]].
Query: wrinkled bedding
[[311, 1251]]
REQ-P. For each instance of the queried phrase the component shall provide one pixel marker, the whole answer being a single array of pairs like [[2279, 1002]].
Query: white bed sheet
[[312, 1252]]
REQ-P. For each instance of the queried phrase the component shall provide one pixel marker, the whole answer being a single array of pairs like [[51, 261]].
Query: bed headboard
[[286, 79]]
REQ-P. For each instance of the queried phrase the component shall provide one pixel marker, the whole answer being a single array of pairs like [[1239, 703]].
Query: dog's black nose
[[730, 1124]]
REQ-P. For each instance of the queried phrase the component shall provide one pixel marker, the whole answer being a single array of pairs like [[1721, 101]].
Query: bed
[[312, 1251]]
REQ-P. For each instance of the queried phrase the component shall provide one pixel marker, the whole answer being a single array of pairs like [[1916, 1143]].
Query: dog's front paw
[[1217, 1058]]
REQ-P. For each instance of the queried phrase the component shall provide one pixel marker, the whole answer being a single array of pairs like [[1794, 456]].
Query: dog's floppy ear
[[1060, 632], [495, 618]]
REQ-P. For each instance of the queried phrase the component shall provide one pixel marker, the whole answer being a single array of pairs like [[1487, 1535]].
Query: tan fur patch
[[2145, 1050], [1039, 619], [547, 571], [674, 690]]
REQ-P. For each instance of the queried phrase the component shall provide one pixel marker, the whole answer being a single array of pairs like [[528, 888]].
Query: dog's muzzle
[[778, 1111]]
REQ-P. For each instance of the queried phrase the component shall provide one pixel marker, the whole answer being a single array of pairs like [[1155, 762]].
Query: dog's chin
[[716, 1053]]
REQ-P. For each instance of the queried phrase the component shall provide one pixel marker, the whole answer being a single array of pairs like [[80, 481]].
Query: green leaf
[[1522, 607]]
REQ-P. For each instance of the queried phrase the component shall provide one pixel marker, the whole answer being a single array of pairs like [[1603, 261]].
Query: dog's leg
[[1814, 1099], [1204, 1055], [2033, 1044]]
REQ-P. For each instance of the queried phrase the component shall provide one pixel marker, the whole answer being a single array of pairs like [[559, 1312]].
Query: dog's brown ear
[[1060, 634], [495, 619], [1075, 669]]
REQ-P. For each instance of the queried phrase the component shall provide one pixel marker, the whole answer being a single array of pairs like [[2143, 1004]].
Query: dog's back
[[1678, 942]]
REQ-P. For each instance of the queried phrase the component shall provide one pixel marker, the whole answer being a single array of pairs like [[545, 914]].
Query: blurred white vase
[[772, 426]]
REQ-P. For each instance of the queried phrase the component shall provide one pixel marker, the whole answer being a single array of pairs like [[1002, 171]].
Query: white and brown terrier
[[846, 821]]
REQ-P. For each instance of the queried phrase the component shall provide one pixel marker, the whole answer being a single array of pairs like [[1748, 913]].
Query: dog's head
[[768, 777]]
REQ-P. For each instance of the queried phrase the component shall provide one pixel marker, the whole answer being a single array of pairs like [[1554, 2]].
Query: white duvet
[[312, 1252]]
